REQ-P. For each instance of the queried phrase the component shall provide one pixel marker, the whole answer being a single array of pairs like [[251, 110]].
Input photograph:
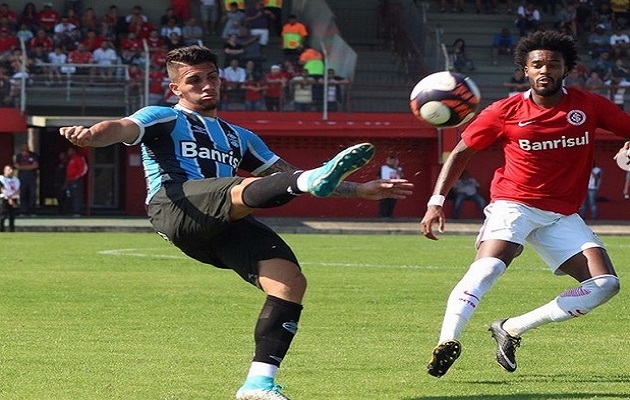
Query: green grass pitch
[[127, 316]]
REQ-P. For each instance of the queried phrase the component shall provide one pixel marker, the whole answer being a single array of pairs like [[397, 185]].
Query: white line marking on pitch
[[143, 253]]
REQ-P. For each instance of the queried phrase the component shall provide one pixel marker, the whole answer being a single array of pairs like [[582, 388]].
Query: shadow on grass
[[613, 379], [526, 396]]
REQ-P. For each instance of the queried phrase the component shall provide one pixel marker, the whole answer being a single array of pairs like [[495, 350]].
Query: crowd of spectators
[[77, 45], [600, 29]]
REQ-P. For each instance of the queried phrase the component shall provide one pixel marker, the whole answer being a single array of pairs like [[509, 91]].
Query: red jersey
[[158, 58], [46, 42], [155, 82], [134, 45], [253, 90], [92, 43], [76, 168], [154, 43], [47, 18], [80, 57], [548, 151], [275, 84], [9, 15], [7, 42]]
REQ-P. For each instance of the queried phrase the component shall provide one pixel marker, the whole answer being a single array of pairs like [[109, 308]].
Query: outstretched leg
[[598, 284], [280, 188]]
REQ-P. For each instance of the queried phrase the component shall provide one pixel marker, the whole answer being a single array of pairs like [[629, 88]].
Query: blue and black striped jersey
[[179, 145]]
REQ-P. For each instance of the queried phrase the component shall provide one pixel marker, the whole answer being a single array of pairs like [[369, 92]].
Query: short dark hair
[[189, 55], [547, 40]]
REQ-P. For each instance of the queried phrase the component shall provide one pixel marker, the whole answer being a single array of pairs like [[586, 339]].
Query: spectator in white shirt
[[234, 73], [170, 27], [104, 55], [620, 44], [57, 57]]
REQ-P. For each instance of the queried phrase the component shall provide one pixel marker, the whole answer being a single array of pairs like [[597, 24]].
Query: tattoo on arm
[[346, 189]]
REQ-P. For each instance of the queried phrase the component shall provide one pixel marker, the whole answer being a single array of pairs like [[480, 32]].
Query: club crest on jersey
[[576, 117], [232, 139]]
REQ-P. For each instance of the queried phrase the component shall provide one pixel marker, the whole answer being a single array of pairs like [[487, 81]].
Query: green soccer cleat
[[506, 345], [260, 388], [324, 180], [443, 356]]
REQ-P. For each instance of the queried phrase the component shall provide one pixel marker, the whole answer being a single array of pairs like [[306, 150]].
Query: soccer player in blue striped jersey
[[196, 201]]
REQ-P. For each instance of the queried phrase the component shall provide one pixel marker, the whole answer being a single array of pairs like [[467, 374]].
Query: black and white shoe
[[506, 345]]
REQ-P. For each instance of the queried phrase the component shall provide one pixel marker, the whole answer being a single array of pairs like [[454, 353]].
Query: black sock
[[272, 191], [275, 329]]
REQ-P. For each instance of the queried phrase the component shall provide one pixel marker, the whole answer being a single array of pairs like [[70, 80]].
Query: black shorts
[[194, 216]]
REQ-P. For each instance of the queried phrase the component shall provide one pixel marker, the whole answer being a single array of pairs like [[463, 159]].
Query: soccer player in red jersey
[[547, 134]]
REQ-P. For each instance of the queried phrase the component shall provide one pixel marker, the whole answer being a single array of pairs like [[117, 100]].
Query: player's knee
[[592, 293], [298, 283], [487, 269], [602, 288]]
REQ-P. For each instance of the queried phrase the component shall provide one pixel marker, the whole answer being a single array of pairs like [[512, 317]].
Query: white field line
[[148, 253]]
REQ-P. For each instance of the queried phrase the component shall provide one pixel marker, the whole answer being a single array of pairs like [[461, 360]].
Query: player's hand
[[434, 215], [385, 188], [77, 135]]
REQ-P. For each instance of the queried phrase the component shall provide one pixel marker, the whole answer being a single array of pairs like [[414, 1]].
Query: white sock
[[570, 304], [262, 369], [516, 326], [465, 297], [302, 181]]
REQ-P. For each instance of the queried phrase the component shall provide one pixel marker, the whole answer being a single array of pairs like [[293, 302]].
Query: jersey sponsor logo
[[576, 117], [561, 143], [191, 149], [525, 123]]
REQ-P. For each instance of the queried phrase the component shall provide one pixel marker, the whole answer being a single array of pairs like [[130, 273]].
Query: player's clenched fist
[[77, 135]]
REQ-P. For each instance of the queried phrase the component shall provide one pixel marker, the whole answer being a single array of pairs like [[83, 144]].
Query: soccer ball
[[445, 99]]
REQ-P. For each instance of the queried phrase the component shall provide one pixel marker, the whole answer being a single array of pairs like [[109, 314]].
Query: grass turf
[[127, 316]]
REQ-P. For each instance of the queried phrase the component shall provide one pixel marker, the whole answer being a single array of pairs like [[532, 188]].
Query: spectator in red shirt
[[254, 93], [140, 27], [81, 56], [136, 77], [181, 8], [8, 16], [275, 80], [158, 56], [42, 39], [131, 43], [47, 18], [156, 84], [8, 42], [92, 40], [154, 41], [76, 169]]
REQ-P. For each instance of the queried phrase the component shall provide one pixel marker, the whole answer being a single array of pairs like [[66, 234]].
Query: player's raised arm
[[102, 134]]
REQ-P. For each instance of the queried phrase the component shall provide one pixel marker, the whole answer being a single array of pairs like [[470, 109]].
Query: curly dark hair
[[547, 40]]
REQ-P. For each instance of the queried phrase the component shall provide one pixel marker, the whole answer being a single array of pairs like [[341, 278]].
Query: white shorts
[[555, 237], [263, 33]]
